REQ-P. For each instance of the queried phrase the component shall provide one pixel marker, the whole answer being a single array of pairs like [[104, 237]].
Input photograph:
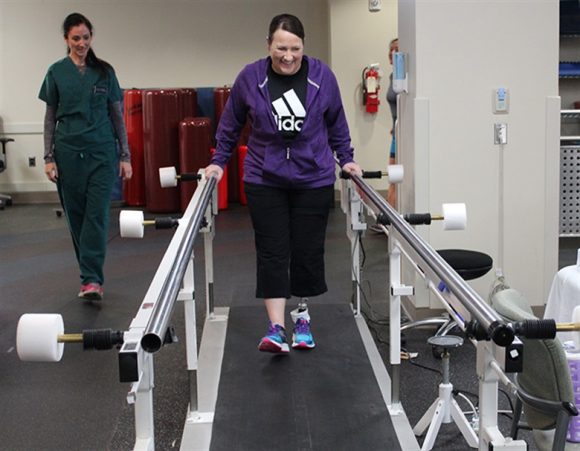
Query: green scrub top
[[82, 105]]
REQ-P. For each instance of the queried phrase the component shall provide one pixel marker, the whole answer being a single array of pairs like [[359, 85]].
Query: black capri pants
[[290, 230]]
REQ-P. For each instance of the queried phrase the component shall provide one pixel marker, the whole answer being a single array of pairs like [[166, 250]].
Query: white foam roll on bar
[[396, 173], [454, 217], [131, 224], [168, 177], [37, 337]]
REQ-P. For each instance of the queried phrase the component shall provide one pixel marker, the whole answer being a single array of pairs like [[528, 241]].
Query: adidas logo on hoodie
[[289, 112]]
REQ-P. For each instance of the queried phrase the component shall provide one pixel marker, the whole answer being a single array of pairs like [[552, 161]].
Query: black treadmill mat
[[326, 398]]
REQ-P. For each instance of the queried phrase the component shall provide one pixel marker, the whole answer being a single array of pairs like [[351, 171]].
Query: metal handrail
[[496, 328], [154, 334]]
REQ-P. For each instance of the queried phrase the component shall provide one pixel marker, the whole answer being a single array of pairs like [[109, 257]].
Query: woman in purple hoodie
[[298, 125]]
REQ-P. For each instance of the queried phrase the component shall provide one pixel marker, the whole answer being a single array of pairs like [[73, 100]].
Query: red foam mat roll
[[220, 97], [161, 117], [134, 188], [187, 102], [194, 152]]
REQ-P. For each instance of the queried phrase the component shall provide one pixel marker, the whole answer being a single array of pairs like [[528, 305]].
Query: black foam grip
[[189, 177], [383, 219], [372, 174], [344, 175], [418, 218], [475, 330], [536, 328], [165, 223], [101, 339]]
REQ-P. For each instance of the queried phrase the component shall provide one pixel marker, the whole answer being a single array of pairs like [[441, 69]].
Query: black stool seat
[[468, 264], [445, 341]]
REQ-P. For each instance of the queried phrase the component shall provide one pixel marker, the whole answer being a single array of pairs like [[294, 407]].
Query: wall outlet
[[500, 134], [31, 162]]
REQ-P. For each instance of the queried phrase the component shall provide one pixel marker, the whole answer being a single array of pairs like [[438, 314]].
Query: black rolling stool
[[5, 199], [469, 265], [444, 409]]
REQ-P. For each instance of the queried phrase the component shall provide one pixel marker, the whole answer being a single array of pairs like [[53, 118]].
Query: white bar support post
[[487, 395], [208, 254], [208, 236], [142, 395], [352, 206], [490, 436], [191, 336], [395, 317], [355, 270], [187, 296]]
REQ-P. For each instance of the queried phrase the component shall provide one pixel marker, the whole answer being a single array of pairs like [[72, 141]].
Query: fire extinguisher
[[370, 83]]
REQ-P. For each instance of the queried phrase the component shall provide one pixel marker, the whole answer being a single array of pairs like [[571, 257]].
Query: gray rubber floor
[[323, 398]]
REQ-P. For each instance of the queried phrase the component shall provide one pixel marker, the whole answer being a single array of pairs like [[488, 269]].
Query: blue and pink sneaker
[[302, 337], [275, 340]]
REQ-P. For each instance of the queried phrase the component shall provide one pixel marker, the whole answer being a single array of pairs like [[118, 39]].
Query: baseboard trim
[[35, 197]]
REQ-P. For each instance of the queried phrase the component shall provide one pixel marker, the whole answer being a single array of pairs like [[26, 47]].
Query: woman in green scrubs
[[83, 124]]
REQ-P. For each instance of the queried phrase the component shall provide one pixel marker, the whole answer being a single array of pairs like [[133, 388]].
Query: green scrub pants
[[85, 183]]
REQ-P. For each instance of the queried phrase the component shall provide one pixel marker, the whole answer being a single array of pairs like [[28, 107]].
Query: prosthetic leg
[[301, 311], [302, 337]]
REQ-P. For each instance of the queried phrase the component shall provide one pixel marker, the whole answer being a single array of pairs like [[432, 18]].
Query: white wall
[[357, 39], [151, 43], [165, 43], [459, 51]]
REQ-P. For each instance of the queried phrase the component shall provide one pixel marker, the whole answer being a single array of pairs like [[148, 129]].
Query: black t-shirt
[[288, 94]]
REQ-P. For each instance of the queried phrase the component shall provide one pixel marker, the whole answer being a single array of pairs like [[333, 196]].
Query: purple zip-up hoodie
[[305, 162]]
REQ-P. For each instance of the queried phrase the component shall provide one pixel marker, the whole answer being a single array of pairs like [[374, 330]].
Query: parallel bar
[[500, 332], [163, 308]]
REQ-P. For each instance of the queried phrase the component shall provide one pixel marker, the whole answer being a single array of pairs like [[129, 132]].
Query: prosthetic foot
[[302, 336]]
